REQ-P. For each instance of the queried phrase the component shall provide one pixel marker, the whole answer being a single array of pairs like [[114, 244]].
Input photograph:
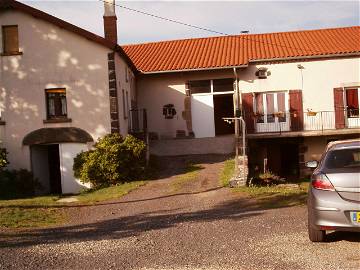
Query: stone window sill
[[10, 53], [57, 120]]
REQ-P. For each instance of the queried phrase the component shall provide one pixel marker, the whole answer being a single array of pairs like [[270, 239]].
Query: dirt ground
[[198, 226]]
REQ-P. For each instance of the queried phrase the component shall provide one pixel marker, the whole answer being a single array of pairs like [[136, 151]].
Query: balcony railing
[[308, 121]]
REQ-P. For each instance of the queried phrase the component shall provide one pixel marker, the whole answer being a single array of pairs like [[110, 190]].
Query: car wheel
[[316, 235]]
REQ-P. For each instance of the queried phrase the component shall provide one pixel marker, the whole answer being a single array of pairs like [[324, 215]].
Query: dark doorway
[[283, 159], [289, 156], [54, 169], [223, 107]]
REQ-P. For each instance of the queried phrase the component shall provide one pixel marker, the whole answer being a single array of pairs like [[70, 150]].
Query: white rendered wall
[[124, 78], [69, 184], [317, 81], [52, 57]]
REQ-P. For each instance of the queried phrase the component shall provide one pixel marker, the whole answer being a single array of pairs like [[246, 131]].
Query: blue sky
[[229, 17]]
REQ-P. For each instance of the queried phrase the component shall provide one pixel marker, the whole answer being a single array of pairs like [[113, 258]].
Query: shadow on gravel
[[109, 203], [343, 236], [126, 226]]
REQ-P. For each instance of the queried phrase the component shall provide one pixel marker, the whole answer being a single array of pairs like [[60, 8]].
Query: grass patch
[[277, 196], [268, 196], [109, 193], [30, 218], [44, 211], [227, 172], [191, 174], [31, 212]]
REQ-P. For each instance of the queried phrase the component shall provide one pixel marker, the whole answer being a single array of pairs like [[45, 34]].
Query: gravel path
[[201, 226]]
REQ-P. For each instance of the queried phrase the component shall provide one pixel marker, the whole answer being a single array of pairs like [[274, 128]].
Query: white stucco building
[[61, 88], [299, 89]]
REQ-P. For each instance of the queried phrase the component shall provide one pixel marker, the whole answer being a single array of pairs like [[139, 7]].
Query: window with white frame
[[269, 106]]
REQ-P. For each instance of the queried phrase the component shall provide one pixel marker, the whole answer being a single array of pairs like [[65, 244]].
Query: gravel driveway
[[200, 226]]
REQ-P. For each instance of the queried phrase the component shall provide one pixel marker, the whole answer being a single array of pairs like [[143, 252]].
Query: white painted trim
[[350, 85]]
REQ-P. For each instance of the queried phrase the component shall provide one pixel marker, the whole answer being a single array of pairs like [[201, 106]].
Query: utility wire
[[206, 29], [167, 19]]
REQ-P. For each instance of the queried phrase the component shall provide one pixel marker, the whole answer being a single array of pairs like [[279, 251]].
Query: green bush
[[113, 160], [3, 158], [17, 184]]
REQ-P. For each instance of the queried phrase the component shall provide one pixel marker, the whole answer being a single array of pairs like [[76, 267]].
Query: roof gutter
[[189, 70], [305, 57]]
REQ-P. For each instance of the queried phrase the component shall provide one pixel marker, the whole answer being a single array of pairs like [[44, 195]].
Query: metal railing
[[308, 121], [137, 121]]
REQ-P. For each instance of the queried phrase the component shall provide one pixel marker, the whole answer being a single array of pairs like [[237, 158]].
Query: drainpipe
[[236, 110], [239, 124]]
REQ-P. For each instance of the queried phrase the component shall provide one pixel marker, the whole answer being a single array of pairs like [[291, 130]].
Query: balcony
[[302, 124]]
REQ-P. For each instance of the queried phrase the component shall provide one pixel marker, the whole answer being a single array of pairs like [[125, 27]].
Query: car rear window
[[344, 159]]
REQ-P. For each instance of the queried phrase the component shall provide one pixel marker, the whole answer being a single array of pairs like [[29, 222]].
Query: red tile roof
[[232, 51]]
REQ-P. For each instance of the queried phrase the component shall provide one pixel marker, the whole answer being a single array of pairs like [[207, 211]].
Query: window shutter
[[339, 108], [11, 39], [296, 110], [248, 110]]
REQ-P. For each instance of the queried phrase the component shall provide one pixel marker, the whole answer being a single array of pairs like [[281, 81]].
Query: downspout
[[239, 125], [236, 110]]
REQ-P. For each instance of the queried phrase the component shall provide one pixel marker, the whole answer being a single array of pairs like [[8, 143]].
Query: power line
[[167, 19], [206, 29]]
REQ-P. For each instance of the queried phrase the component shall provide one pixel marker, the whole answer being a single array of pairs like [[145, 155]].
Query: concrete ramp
[[194, 146]]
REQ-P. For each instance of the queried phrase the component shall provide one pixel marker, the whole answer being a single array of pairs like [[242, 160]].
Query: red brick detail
[[248, 111], [296, 110], [110, 28], [339, 108]]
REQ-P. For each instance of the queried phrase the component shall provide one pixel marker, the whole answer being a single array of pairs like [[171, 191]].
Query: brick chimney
[[110, 27]]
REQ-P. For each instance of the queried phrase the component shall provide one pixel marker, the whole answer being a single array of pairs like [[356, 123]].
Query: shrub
[[113, 160], [17, 184], [3, 158]]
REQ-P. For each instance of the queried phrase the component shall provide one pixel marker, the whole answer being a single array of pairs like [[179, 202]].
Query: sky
[[230, 17]]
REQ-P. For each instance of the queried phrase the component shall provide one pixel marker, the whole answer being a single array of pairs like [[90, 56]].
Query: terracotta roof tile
[[228, 51]]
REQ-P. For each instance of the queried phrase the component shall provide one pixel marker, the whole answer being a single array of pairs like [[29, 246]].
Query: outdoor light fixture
[[300, 66], [262, 73]]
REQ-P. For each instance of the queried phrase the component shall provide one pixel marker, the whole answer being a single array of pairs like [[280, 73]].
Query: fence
[[308, 121]]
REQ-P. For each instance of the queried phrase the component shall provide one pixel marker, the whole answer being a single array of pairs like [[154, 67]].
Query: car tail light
[[320, 181]]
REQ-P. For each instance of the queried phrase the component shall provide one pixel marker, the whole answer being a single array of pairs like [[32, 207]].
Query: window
[[269, 106], [10, 39], [125, 103], [346, 159], [200, 87], [56, 103], [223, 85], [352, 102], [259, 108]]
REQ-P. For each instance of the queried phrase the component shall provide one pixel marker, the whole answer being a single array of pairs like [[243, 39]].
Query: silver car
[[334, 193]]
